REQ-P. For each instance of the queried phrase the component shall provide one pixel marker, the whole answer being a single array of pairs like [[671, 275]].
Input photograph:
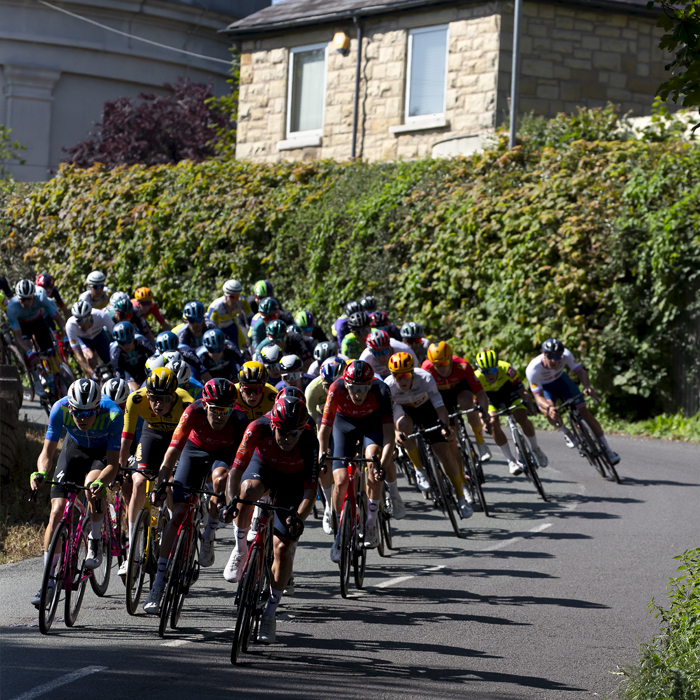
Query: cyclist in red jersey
[[458, 386], [204, 442], [358, 411], [144, 304], [278, 453]]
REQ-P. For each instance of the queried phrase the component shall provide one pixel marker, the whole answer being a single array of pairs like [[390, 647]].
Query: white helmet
[[270, 354], [25, 289], [171, 356], [117, 390], [81, 309], [232, 287], [84, 394], [182, 371], [155, 361], [96, 277]]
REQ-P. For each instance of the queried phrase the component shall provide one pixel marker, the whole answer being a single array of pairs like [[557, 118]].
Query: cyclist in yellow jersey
[[230, 311], [161, 405], [503, 386], [255, 396]]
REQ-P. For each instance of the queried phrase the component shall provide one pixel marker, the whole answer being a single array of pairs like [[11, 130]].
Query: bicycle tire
[[473, 468], [345, 549], [171, 584], [430, 474], [587, 446], [359, 558], [57, 546], [137, 562], [186, 578], [602, 458], [246, 605], [450, 506], [406, 467], [74, 597], [528, 462], [14, 357], [99, 581]]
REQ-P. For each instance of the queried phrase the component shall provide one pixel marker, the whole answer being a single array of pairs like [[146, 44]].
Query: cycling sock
[[272, 602], [533, 441], [505, 449], [457, 483], [479, 435], [241, 534], [372, 510], [160, 574], [328, 493], [96, 529], [46, 558], [414, 457], [393, 488], [604, 440]]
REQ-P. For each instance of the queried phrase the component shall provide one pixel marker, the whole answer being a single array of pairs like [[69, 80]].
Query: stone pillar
[[28, 100]]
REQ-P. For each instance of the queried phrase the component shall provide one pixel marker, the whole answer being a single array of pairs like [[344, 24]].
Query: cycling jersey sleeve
[[513, 377], [384, 400], [184, 427], [570, 361], [433, 393], [468, 373], [105, 319], [47, 304], [131, 414], [59, 300], [314, 398], [246, 449], [155, 312], [332, 400], [116, 428], [114, 355], [56, 418]]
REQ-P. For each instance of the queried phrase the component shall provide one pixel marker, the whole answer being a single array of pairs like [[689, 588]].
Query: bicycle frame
[[471, 463]]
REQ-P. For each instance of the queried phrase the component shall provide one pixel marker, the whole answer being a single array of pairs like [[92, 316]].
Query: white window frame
[[437, 115], [290, 79]]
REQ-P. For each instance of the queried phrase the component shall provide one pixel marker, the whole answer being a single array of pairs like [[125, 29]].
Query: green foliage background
[[577, 233]]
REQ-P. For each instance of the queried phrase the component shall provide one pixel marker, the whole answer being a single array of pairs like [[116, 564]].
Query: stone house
[[433, 76]]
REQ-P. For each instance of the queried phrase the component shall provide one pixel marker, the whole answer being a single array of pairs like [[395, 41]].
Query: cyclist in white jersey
[[89, 328], [380, 347]]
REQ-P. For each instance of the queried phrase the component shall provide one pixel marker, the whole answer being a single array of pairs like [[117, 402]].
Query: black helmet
[[352, 307], [553, 346], [360, 319], [324, 350], [368, 304]]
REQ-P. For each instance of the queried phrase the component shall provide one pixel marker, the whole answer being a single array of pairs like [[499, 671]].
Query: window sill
[[299, 142], [422, 125]]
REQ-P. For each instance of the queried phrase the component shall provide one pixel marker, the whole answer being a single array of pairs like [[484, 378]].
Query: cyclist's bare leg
[[251, 490], [405, 425], [137, 497], [374, 486], [219, 478], [521, 416], [499, 436], [283, 562]]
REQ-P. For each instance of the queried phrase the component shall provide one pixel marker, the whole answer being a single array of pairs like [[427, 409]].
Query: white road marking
[[513, 540], [195, 638], [62, 680], [394, 581]]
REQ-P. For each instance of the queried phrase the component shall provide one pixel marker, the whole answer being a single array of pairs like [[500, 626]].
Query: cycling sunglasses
[[159, 398], [272, 366], [490, 370], [220, 410], [381, 353], [196, 320], [252, 389], [84, 320], [308, 330], [293, 375], [553, 355], [97, 286], [398, 375], [358, 388], [443, 363], [412, 341], [85, 412], [290, 434]]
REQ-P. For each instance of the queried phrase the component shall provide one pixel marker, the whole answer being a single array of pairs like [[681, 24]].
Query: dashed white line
[[195, 638], [61, 680], [394, 581], [513, 540]]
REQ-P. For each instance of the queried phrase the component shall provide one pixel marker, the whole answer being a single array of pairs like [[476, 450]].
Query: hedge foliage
[[576, 233]]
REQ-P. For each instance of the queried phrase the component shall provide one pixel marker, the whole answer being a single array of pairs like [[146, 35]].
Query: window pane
[[427, 88], [307, 90]]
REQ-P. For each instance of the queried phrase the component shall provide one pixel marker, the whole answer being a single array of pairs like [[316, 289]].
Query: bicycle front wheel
[[136, 564], [345, 549], [528, 461], [448, 499], [188, 565], [100, 576], [587, 443], [601, 454], [359, 551], [15, 358], [74, 597], [472, 467], [47, 605], [246, 605], [172, 582]]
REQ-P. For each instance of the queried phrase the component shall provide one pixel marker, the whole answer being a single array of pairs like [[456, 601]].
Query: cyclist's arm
[[43, 464], [240, 463], [388, 449], [307, 504], [583, 376], [110, 471], [82, 360], [130, 420], [21, 343], [60, 321]]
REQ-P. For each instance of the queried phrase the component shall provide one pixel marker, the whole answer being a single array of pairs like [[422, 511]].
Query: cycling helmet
[[289, 413], [162, 381], [143, 294], [123, 332], [84, 394], [276, 330], [155, 361], [412, 330], [263, 288], [294, 328], [291, 363], [214, 340], [378, 340], [117, 390], [252, 374], [182, 371], [120, 302], [324, 350], [270, 354], [401, 363], [358, 372], [45, 280], [25, 289], [171, 355], [268, 306], [352, 307], [219, 392], [553, 345], [291, 391], [194, 311], [440, 352], [96, 277], [81, 309], [359, 319], [305, 319], [167, 340], [332, 368], [378, 319], [232, 287], [487, 359], [368, 304]]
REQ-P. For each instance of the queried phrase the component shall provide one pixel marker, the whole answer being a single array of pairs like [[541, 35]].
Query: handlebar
[[569, 402], [423, 431], [510, 409], [68, 485], [464, 413], [264, 506]]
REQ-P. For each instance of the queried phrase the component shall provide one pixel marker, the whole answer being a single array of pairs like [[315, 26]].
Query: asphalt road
[[543, 600]]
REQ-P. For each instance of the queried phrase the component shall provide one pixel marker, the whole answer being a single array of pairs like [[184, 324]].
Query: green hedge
[[592, 241]]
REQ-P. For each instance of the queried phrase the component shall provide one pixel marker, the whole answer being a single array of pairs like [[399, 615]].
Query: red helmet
[[219, 392], [45, 280], [289, 413], [378, 340], [379, 319], [358, 372]]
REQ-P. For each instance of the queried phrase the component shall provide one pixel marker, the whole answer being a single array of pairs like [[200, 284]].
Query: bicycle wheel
[[345, 549], [603, 463], [137, 562], [448, 499], [57, 548], [172, 582], [472, 466], [528, 461], [586, 442], [246, 605], [74, 597], [14, 357], [63, 379], [359, 551], [100, 576], [406, 466], [187, 575]]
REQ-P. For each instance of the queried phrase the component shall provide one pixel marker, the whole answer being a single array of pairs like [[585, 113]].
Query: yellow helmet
[[440, 353], [487, 359], [401, 363], [143, 294], [162, 381], [253, 374]]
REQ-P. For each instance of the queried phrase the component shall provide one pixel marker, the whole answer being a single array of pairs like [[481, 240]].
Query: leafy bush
[[595, 242], [669, 666]]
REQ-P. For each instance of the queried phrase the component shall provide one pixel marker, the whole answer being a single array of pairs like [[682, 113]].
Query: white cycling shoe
[[152, 604], [465, 509], [268, 629], [422, 481], [515, 467], [484, 452], [398, 508], [372, 534], [328, 521], [234, 567], [206, 553]]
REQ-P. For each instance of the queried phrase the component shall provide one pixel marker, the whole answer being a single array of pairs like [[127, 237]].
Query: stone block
[[537, 68], [591, 42], [629, 64], [537, 29], [246, 59], [607, 60], [630, 34], [617, 94], [618, 80], [458, 29], [570, 91], [619, 45], [596, 91], [616, 20], [278, 56], [547, 11], [246, 75], [394, 71], [260, 57], [642, 85], [643, 69], [548, 92], [528, 85], [581, 25], [562, 72], [584, 54], [564, 22], [602, 30], [562, 47]]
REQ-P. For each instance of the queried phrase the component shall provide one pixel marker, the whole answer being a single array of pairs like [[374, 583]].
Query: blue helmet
[[123, 333], [214, 339], [332, 368], [194, 311], [167, 340]]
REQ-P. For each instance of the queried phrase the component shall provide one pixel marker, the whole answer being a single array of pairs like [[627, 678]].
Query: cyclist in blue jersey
[[90, 455]]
